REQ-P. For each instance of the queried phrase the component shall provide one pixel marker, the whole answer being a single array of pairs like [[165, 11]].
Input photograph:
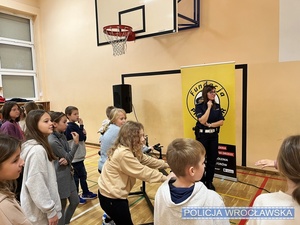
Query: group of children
[[123, 162], [182, 187], [48, 171], [54, 152]]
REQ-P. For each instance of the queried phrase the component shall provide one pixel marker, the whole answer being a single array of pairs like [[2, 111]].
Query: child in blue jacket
[[80, 174]]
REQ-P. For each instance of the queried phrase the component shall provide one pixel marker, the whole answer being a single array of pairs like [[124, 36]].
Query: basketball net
[[117, 36]]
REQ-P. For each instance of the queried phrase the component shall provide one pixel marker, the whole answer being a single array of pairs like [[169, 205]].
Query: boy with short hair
[[104, 125], [186, 160], [105, 121], [80, 174]]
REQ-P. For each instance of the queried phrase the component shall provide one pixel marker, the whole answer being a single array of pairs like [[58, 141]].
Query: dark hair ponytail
[[296, 194], [288, 162]]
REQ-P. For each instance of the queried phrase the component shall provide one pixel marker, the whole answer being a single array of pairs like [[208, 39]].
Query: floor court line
[[84, 212], [136, 201], [233, 196], [92, 181], [255, 175], [259, 191]]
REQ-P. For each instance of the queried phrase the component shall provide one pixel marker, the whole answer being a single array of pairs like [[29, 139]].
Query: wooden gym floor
[[250, 184]]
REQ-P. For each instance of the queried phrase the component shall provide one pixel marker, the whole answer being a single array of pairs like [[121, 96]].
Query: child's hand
[[265, 163], [75, 137], [53, 220], [63, 161], [80, 121], [84, 131], [171, 175]]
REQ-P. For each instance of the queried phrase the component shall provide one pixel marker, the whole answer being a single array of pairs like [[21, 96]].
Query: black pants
[[211, 143], [117, 209], [80, 176]]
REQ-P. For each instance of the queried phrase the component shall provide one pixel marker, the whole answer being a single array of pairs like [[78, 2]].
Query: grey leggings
[[67, 212]]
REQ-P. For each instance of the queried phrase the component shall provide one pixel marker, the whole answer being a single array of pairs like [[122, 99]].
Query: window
[[17, 58]]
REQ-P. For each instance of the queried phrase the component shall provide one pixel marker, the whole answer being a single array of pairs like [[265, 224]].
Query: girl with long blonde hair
[[125, 164]]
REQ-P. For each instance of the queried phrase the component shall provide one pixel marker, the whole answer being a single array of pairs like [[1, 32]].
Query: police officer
[[207, 128]]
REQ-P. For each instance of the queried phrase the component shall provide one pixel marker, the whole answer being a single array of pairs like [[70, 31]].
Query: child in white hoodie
[[186, 160], [40, 200]]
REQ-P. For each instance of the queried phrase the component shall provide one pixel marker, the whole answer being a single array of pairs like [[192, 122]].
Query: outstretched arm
[[266, 163]]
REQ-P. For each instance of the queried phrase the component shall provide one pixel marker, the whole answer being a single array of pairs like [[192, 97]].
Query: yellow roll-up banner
[[222, 76]]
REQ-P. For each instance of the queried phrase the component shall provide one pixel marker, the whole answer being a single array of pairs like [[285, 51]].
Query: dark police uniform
[[209, 137]]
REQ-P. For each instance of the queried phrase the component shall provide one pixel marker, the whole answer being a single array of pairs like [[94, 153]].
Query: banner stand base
[[226, 177]]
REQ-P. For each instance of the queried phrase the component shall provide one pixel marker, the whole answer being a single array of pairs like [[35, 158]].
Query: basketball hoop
[[117, 36]]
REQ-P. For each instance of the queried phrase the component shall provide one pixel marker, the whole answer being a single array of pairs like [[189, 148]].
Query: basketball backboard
[[146, 17]]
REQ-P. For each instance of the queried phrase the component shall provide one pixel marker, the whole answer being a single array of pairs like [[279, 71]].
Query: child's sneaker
[[81, 201], [89, 195], [106, 220]]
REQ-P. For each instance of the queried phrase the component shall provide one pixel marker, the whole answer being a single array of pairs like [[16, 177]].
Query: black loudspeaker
[[122, 97]]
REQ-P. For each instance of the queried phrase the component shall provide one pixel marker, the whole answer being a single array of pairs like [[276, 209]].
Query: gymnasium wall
[[74, 71]]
